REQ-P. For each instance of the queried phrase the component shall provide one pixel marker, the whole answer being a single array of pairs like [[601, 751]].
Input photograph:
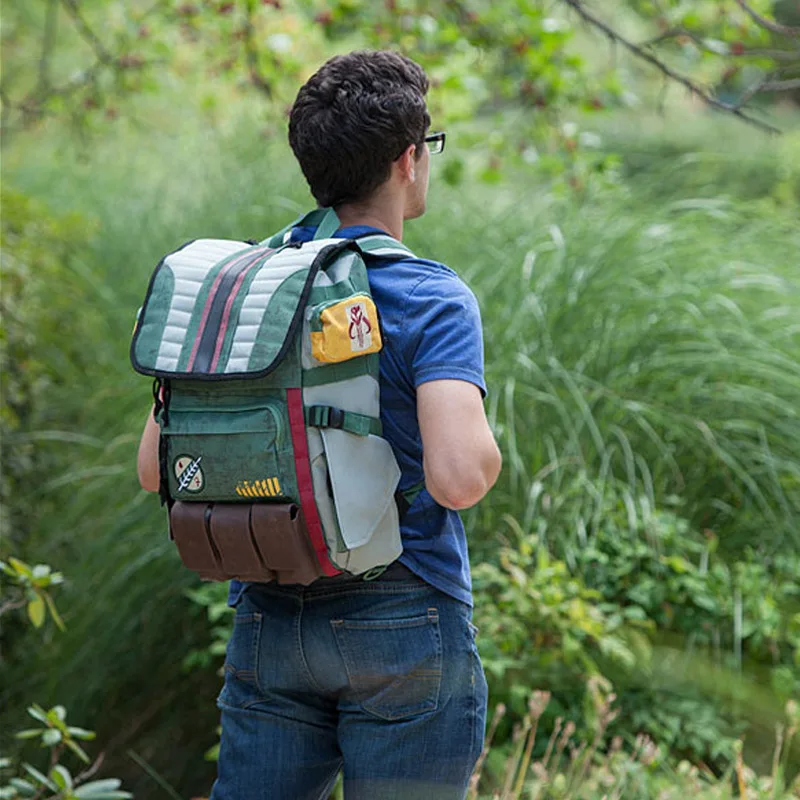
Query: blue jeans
[[380, 679]]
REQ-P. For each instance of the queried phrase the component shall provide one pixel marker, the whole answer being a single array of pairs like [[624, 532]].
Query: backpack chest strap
[[331, 417]]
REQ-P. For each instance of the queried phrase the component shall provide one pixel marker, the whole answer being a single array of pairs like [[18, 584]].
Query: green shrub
[[697, 648], [39, 335], [573, 768], [29, 587]]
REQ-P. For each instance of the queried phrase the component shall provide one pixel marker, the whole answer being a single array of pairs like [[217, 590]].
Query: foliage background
[[637, 274]]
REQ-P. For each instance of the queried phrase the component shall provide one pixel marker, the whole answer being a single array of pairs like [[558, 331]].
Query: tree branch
[[48, 40], [84, 776], [251, 52], [645, 55], [769, 24], [741, 52], [10, 605], [86, 32], [775, 55], [781, 86]]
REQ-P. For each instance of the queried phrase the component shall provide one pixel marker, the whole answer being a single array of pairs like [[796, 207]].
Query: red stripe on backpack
[[305, 486]]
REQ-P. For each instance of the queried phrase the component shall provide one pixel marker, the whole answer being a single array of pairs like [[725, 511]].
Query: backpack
[[265, 359]]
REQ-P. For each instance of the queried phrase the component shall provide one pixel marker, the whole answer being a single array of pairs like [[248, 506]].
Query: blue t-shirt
[[431, 330]]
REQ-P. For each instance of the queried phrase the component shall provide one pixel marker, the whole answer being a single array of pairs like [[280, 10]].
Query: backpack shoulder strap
[[325, 220], [327, 223], [379, 244]]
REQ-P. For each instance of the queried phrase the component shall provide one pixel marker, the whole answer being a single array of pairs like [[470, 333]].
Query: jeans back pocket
[[394, 666]]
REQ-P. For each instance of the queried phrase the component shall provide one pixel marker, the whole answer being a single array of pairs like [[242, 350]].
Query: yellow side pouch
[[345, 329]]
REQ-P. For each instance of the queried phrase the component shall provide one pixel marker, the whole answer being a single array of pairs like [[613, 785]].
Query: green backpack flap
[[266, 365]]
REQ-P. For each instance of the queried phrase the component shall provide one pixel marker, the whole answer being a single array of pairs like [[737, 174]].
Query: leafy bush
[[39, 335], [583, 770], [651, 606], [28, 586]]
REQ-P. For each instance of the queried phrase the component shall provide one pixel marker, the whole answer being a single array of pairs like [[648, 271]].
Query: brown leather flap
[[259, 542]]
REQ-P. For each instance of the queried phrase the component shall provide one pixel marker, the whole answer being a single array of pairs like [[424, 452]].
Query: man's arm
[[460, 456], [147, 461]]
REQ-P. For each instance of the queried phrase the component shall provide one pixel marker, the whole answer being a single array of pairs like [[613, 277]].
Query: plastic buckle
[[375, 572], [335, 418]]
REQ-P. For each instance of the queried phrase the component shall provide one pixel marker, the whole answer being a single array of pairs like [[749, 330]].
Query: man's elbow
[[459, 490], [459, 498]]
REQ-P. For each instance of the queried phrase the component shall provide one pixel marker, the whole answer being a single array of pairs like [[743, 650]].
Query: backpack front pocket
[[229, 454]]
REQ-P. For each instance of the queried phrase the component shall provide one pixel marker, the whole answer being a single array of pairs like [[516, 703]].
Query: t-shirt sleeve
[[445, 338]]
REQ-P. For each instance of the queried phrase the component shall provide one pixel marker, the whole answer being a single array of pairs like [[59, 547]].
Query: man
[[380, 678]]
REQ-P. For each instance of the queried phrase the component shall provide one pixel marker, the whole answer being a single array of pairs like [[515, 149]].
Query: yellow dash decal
[[263, 487]]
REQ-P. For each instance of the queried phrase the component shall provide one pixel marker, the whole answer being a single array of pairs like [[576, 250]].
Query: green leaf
[[36, 611], [103, 785], [40, 777], [51, 737], [81, 733], [54, 612], [212, 754], [78, 750], [60, 712], [29, 733], [717, 46], [25, 788], [61, 777], [107, 789], [21, 567], [38, 713]]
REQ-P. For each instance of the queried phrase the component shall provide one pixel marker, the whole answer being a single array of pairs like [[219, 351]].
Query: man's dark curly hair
[[353, 118]]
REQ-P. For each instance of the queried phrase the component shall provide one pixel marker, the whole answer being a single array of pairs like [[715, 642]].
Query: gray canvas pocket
[[363, 475]]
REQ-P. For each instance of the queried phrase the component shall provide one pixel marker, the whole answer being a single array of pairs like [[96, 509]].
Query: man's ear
[[407, 164]]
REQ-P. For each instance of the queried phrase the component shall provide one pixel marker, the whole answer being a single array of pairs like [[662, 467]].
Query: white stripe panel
[[263, 287], [172, 349], [391, 251], [189, 267], [255, 306]]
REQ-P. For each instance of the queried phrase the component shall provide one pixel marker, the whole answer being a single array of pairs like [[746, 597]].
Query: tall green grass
[[653, 340]]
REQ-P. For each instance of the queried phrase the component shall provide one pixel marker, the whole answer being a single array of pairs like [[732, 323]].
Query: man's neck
[[386, 219]]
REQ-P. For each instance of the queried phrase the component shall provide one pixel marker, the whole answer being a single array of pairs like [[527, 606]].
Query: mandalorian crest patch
[[188, 473]]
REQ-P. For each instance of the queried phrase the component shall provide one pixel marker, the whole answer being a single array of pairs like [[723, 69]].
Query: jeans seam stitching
[[301, 654], [256, 650], [366, 590]]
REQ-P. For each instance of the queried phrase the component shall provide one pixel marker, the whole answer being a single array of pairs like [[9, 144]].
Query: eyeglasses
[[435, 142]]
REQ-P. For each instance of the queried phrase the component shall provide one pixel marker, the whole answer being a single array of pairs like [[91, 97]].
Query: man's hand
[[460, 456]]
